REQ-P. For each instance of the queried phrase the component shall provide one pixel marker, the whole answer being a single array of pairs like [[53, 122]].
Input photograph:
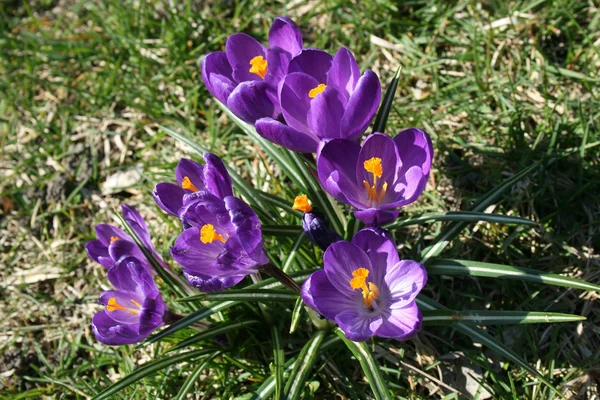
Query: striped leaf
[[149, 369], [281, 230], [210, 333], [449, 317], [386, 105], [188, 385], [462, 216], [474, 268], [278, 362], [304, 363], [268, 295], [369, 366]]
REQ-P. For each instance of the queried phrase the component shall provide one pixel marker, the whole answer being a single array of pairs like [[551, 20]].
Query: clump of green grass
[[85, 86]]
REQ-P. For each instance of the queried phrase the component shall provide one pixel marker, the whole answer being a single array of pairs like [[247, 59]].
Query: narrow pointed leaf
[[247, 295], [449, 317], [149, 369], [217, 306], [278, 362], [293, 252], [454, 228], [216, 330], [462, 216], [474, 268], [296, 314], [386, 105], [479, 336], [281, 230], [188, 385], [369, 366], [306, 360]]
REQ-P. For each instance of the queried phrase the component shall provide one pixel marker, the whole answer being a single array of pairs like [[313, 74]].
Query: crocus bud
[[317, 229]]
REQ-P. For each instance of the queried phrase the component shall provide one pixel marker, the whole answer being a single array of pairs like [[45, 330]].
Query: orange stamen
[[113, 305], [301, 203], [315, 91], [187, 184], [114, 239], [370, 292], [208, 234], [258, 66]]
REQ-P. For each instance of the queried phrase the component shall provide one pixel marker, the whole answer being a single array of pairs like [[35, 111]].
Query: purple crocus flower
[[246, 75], [366, 289], [134, 309], [191, 178], [322, 97], [223, 243], [379, 177], [113, 244]]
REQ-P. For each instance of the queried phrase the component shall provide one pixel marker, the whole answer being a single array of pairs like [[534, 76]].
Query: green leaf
[[281, 230], [188, 385], [369, 366], [246, 295], [296, 314], [464, 216], [293, 252], [454, 228], [479, 336], [386, 105], [150, 368], [450, 317], [217, 306], [216, 330], [278, 362], [474, 268], [304, 363], [268, 386]]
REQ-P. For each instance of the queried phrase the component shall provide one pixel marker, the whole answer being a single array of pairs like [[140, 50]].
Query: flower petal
[[283, 135], [380, 249], [253, 100], [357, 325], [344, 72], [383, 147], [405, 280], [169, 197], [152, 312], [294, 100], [110, 332], [319, 294], [362, 106], [326, 112], [376, 216], [401, 323], [278, 61], [247, 228], [216, 177], [408, 188], [192, 254], [336, 165], [240, 49], [217, 75], [96, 249], [208, 284], [285, 34], [192, 170], [313, 62], [341, 259], [129, 313], [105, 233], [415, 148], [138, 225]]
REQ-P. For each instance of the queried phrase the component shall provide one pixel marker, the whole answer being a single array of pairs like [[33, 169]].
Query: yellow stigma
[[319, 89], [258, 66], [370, 292], [114, 239], [209, 235], [187, 184], [373, 165], [113, 305], [301, 203]]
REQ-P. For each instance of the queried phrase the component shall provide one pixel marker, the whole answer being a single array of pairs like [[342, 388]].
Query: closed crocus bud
[[314, 224]]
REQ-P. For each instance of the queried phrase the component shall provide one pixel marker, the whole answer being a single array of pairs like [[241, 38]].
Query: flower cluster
[[307, 101]]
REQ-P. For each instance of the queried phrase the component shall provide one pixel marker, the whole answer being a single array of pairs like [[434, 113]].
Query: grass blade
[[369, 366], [219, 306], [217, 330], [278, 362], [464, 216], [247, 295], [386, 105], [189, 382], [296, 314], [474, 268], [479, 336], [450, 317], [150, 368], [281, 230], [453, 229], [304, 363]]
